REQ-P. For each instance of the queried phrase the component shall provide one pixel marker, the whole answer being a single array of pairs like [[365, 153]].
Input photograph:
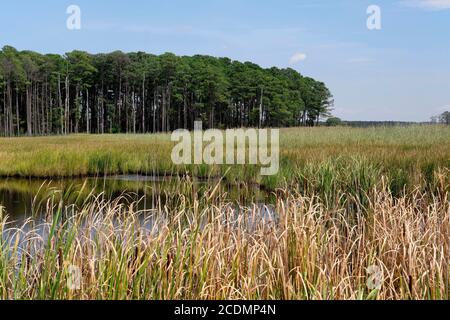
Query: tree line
[[43, 94]]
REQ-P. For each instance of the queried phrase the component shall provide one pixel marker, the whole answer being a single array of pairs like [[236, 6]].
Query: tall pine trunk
[[29, 117]]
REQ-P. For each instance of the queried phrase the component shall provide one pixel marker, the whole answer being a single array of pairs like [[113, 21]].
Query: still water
[[20, 197]]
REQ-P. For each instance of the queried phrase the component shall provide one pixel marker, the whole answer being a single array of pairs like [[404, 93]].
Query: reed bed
[[207, 248]]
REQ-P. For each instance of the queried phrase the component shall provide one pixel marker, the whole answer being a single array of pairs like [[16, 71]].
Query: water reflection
[[21, 198]]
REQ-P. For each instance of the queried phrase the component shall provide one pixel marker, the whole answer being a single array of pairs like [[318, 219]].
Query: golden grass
[[209, 249]]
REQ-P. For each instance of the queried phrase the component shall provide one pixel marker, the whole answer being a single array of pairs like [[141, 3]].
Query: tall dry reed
[[209, 249]]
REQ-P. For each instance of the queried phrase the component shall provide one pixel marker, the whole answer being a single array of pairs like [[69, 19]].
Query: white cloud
[[428, 4], [297, 57], [444, 108]]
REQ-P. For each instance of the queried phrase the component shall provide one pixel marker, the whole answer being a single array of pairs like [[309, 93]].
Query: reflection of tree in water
[[24, 197]]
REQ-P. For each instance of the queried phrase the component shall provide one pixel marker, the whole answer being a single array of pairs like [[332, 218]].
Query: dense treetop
[[140, 92]]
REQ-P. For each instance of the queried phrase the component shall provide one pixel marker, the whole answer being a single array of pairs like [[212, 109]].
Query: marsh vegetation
[[345, 199]]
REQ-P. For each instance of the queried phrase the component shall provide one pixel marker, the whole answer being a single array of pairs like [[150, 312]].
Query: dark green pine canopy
[[140, 92]]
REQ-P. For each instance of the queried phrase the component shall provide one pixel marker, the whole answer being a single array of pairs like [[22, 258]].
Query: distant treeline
[[387, 123], [379, 123], [140, 92]]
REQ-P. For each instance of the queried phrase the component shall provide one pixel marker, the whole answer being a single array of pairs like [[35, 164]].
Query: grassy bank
[[313, 160], [209, 249]]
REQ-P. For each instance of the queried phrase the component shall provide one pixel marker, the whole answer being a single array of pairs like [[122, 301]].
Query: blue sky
[[401, 72]]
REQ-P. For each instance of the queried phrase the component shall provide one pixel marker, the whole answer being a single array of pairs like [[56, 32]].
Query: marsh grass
[[404, 154], [345, 199], [207, 248]]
